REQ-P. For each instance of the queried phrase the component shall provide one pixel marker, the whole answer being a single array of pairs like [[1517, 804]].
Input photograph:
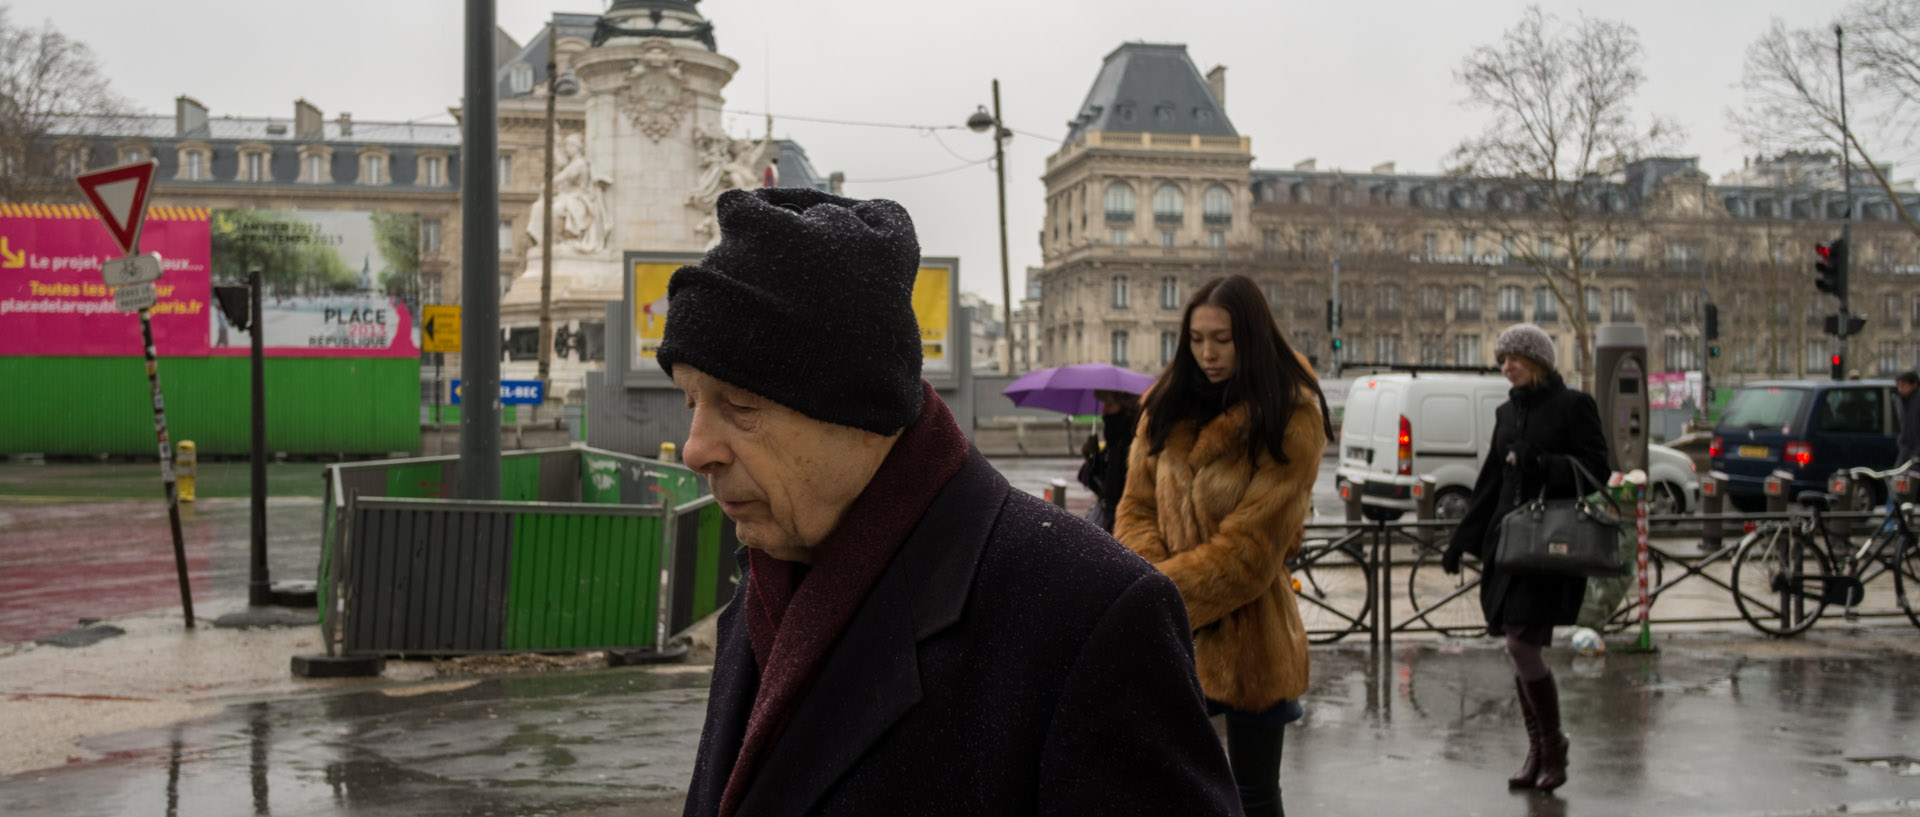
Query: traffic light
[[1830, 264], [1336, 344], [1713, 325], [1839, 369], [1713, 351]]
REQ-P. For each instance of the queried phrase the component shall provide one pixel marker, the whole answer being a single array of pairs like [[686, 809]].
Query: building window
[[433, 171], [1309, 241], [131, 155], [1593, 303], [1466, 302], [1546, 308], [1622, 305], [1166, 238], [193, 165], [1387, 300], [254, 167], [373, 169], [1216, 239], [1891, 308], [1543, 248], [506, 170], [1216, 206], [1621, 248], [1386, 349], [1118, 289], [1433, 302], [1389, 242], [506, 235], [1119, 202], [1513, 306], [1429, 245], [1169, 345], [1120, 349], [1817, 356], [1167, 206], [1269, 239], [1467, 246], [1169, 293], [317, 169], [76, 161], [430, 235], [1117, 238], [1433, 350], [1506, 248], [1466, 350], [1683, 353], [1886, 360]]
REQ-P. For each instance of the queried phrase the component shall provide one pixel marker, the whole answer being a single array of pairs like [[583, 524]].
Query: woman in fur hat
[[1219, 487], [1542, 428]]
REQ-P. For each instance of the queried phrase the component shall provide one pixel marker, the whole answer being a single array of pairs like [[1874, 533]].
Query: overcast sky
[[1349, 84]]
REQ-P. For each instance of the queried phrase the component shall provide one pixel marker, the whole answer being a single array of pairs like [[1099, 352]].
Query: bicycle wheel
[[1334, 590], [1448, 604], [1778, 576], [1906, 577]]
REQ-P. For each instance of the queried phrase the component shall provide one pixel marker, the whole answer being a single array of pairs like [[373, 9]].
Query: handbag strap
[[1581, 479]]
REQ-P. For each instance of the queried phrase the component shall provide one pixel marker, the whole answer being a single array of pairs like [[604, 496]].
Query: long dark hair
[[1267, 374]]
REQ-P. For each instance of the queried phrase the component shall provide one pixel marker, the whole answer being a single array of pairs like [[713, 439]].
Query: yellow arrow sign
[[440, 328]]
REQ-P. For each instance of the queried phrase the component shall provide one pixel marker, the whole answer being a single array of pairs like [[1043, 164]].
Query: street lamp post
[[979, 122], [558, 85]]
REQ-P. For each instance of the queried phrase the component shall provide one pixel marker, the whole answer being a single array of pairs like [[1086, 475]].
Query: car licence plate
[[1757, 452]]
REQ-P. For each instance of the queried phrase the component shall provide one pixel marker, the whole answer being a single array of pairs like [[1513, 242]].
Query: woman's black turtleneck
[[1209, 400]]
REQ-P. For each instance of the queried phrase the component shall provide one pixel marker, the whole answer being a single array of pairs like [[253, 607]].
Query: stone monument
[[654, 159]]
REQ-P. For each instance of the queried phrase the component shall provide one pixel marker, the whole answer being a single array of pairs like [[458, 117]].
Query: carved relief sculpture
[[725, 164], [656, 98]]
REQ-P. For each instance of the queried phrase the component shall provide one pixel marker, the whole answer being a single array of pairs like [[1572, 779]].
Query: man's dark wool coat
[[1012, 660], [1545, 427]]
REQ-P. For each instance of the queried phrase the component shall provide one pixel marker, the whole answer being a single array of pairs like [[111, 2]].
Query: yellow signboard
[[650, 307], [932, 309], [440, 328]]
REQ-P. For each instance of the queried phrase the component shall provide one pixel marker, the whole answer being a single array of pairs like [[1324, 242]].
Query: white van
[[1401, 426]]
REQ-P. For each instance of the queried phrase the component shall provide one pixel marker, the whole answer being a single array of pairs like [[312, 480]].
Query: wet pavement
[[1705, 727]]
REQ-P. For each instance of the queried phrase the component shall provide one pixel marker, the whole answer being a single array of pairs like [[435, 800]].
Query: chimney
[[1303, 164], [189, 117], [1384, 168], [1217, 80], [346, 124], [307, 120]]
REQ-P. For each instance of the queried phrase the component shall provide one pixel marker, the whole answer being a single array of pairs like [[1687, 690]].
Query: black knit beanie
[[807, 301]]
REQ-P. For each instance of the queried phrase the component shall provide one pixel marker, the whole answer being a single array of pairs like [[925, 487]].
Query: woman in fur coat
[[1541, 428], [1219, 486]]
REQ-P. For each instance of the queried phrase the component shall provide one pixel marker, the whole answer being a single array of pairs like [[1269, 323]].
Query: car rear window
[[1764, 408]]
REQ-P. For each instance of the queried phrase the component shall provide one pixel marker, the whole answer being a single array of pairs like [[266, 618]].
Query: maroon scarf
[[793, 624]]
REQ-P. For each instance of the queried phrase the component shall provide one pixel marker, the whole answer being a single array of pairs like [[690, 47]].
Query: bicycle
[[1333, 586], [1784, 578]]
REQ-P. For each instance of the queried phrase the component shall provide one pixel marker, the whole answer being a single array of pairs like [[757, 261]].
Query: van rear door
[[1754, 431], [1356, 429], [1388, 408]]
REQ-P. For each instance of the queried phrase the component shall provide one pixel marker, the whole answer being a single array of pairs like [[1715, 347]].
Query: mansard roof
[[1151, 88]]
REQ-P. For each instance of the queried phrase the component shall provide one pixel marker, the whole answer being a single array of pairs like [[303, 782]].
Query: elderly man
[[910, 636]]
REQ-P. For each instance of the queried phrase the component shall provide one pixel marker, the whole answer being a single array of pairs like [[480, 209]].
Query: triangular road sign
[[119, 196]]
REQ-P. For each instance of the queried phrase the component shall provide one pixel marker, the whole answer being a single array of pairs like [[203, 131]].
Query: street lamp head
[[565, 83], [980, 121]]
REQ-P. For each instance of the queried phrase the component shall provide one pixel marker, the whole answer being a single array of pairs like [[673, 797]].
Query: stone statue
[[726, 164], [579, 202]]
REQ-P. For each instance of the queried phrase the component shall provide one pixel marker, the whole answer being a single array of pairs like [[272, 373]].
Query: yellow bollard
[[667, 452], [186, 466]]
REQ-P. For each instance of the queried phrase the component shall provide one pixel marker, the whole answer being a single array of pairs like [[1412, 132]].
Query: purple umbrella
[[1070, 389]]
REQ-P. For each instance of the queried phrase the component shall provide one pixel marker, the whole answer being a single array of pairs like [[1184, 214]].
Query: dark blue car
[[1806, 428]]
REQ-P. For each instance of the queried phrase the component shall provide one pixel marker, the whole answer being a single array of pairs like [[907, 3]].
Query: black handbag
[[1569, 538]]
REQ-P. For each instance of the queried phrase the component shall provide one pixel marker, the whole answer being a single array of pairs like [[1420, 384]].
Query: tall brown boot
[[1545, 697], [1523, 779]]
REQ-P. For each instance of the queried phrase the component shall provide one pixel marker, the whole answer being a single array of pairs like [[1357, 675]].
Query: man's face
[[1904, 388], [784, 478]]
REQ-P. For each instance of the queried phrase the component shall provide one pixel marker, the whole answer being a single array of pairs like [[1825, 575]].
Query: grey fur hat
[[1528, 341]]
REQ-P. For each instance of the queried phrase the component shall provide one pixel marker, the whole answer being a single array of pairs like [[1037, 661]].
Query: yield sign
[[119, 196]]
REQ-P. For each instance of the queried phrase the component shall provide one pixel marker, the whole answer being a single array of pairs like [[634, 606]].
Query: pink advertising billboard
[[52, 301]]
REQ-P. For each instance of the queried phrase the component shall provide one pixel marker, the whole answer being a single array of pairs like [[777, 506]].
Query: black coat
[[1012, 660], [1544, 428]]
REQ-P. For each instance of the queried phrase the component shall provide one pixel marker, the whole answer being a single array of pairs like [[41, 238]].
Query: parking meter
[[1620, 387]]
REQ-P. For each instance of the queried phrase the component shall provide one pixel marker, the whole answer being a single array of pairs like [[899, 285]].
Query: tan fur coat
[[1222, 527]]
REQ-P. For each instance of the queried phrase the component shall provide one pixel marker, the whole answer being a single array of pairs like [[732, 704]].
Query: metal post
[[1846, 181], [1712, 505], [1000, 134], [546, 230], [166, 463], [1334, 318], [259, 590], [480, 263]]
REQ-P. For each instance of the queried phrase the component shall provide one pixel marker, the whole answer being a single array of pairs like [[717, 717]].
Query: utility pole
[[546, 226], [1334, 315], [1846, 177]]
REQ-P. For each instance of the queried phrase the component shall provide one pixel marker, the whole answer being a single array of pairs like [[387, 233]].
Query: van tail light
[[1406, 447], [1800, 454], [1716, 448]]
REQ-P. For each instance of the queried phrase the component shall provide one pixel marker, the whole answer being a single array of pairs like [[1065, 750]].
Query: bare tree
[[44, 78], [1560, 98], [1792, 82]]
